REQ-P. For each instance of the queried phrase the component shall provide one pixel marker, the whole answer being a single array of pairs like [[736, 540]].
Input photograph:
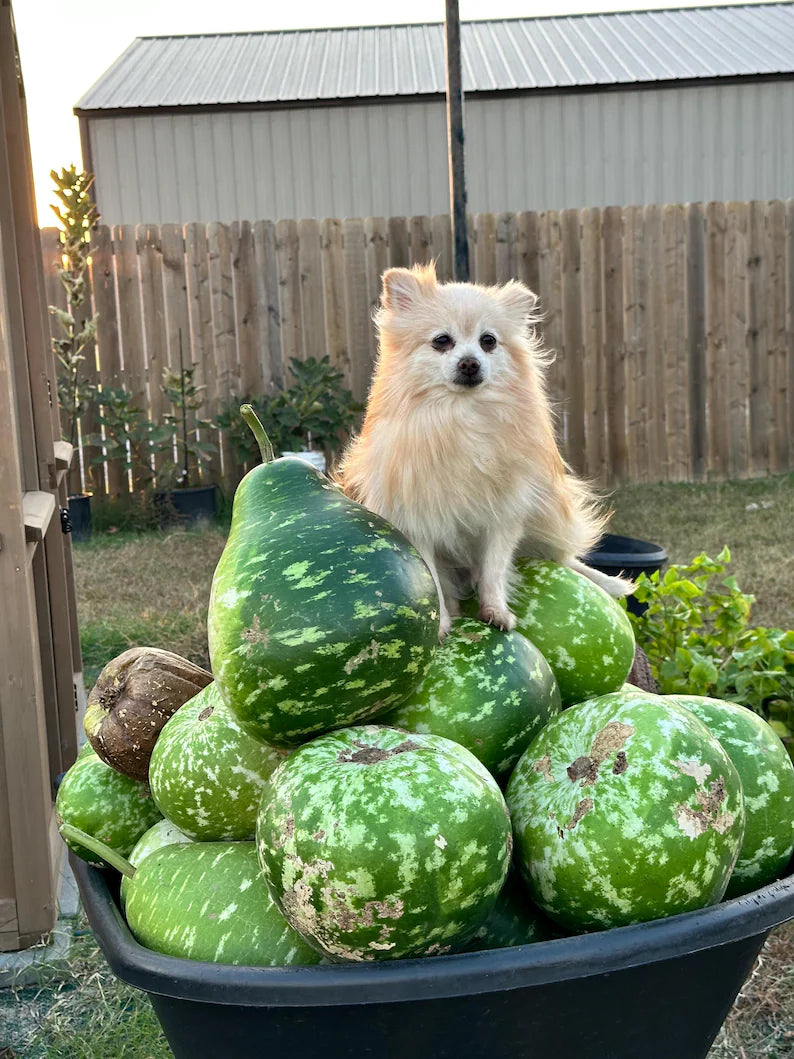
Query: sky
[[57, 69]]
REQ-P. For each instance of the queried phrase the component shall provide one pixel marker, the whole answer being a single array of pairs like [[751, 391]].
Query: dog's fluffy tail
[[615, 586]]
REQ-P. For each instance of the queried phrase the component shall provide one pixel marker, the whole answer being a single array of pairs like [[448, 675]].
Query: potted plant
[[78, 216], [179, 496]]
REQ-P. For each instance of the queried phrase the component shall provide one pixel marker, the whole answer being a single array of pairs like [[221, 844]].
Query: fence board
[[572, 341], [506, 250], [197, 260], [758, 339], [399, 243], [485, 248], [717, 405], [635, 302], [334, 291], [248, 316], [614, 344], [736, 335], [694, 295], [289, 291], [421, 240], [150, 263], [312, 311], [131, 322], [654, 252], [354, 243], [267, 295], [103, 283], [594, 464], [550, 292], [775, 312], [228, 370], [376, 231], [442, 246], [675, 376], [527, 260]]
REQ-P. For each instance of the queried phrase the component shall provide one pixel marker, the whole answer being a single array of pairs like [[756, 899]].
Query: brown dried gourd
[[134, 696]]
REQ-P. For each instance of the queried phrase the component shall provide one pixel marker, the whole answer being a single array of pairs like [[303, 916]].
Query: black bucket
[[187, 507], [657, 990], [629, 557], [80, 516]]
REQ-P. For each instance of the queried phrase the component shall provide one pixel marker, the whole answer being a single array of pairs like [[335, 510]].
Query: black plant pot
[[659, 990], [186, 506], [80, 516], [628, 556]]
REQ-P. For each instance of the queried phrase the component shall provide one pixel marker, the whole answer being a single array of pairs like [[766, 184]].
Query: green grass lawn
[[154, 588]]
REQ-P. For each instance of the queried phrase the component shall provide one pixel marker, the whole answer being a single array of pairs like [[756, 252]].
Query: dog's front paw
[[501, 617], [444, 626]]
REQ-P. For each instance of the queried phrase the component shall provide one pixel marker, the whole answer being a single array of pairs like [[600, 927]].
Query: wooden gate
[[39, 646]]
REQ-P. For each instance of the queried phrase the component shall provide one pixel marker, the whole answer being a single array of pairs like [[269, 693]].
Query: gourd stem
[[114, 859], [262, 440]]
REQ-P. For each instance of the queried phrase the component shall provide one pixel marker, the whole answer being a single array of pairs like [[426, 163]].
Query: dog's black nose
[[469, 367]]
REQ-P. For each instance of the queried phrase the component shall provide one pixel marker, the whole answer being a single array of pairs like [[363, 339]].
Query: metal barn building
[[589, 110]]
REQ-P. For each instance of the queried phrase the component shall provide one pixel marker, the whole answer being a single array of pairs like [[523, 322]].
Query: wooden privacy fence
[[673, 325]]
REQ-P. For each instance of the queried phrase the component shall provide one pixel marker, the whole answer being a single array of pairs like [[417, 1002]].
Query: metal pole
[[457, 175]]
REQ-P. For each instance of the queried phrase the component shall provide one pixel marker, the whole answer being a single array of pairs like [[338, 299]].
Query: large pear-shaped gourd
[[321, 613]]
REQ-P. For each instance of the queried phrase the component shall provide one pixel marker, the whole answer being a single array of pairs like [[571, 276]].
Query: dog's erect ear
[[520, 302], [403, 287]]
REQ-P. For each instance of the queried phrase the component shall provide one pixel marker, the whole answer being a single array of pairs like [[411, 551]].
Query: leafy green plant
[[127, 434], [181, 423], [315, 410], [698, 639], [77, 216]]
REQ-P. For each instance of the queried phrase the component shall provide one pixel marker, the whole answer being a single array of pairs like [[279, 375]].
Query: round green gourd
[[321, 613], [376, 844], [208, 901], [625, 808], [583, 633], [767, 776], [207, 773], [490, 691], [105, 804], [163, 833]]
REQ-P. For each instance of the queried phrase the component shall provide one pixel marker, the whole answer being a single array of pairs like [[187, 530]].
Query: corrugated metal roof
[[377, 61]]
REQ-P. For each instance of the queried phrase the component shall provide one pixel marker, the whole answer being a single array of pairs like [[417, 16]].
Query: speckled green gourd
[[321, 613], [207, 772], [513, 920], [490, 691], [582, 632], [377, 844], [104, 803], [208, 901], [625, 808], [767, 776], [163, 833]]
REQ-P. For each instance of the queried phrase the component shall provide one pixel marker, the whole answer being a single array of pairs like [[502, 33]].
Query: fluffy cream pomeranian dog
[[457, 448]]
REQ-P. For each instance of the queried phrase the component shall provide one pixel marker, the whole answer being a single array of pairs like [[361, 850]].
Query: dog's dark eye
[[487, 342], [443, 342]]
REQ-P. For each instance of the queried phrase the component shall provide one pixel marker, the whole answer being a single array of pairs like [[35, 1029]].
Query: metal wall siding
[[712, 142]]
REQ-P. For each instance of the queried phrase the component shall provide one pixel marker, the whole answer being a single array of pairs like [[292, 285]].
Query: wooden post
[[457, 173]]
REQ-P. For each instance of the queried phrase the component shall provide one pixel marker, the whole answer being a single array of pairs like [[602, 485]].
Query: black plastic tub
[[627, 556], [80, 516], [658, 990], [187, 506]]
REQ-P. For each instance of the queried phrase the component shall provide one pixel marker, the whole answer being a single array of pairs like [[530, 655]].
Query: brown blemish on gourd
[[543, 766], [256, 634], [610, 740], [695, 822], [370, 755]]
